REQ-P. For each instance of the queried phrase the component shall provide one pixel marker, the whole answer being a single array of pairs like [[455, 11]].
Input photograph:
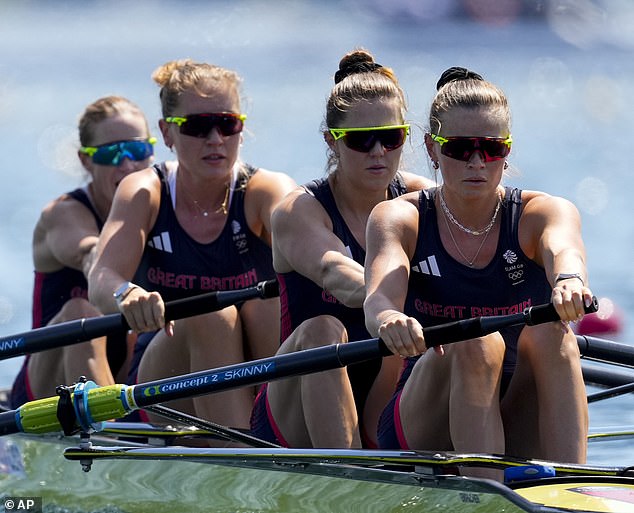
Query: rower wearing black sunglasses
[[115, 141], [469, 248], [318, 251], [194, 225]]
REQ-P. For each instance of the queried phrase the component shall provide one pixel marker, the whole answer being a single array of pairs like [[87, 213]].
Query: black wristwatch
[[568, 276]]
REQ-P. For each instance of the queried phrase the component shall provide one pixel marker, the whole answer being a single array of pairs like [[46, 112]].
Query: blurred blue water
[[568, 73]]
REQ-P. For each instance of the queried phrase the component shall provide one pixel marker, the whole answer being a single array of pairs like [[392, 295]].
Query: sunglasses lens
[[461, 148], [364, 141], [113, 154], [392, 138], [200, 125]]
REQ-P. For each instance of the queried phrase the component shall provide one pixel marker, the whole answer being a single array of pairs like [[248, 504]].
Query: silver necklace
[[451, 217], [472, 232], [472, 261]]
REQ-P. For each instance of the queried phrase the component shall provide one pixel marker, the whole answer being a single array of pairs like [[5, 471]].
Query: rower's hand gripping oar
[[80, 330], [91, 405]]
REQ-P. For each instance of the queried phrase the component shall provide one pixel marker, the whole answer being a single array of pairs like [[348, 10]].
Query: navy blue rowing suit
[[442, 290], [303, 299], [50, 292], [177, 266]]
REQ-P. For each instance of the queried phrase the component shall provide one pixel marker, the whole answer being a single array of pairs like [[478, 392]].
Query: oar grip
[[38, 416], [217, 300], [41, 416], [547, 313], [452, 332], [106, 403]]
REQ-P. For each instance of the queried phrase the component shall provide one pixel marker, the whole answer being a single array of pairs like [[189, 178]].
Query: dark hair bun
[[356, 62], [456, 73]]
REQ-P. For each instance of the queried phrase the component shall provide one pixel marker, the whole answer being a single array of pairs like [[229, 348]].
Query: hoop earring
[[506, 164]]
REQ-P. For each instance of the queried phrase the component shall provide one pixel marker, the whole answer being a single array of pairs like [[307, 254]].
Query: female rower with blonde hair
[[189, 226], [115, 141], [474, 247]]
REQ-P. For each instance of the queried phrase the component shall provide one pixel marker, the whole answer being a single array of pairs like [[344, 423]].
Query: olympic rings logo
[[516, 275]]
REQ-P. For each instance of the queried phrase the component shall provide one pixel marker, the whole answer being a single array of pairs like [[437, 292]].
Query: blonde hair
[[176, 77], [102, 109]]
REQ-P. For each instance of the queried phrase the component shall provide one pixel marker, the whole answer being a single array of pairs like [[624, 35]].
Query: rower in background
[[115, 141]]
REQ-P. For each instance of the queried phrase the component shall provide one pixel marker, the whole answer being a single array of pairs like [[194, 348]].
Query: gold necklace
[[485, 231], [222, 209]]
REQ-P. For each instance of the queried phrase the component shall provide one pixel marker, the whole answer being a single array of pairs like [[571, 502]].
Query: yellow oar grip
[[39, 416], [104, 403]]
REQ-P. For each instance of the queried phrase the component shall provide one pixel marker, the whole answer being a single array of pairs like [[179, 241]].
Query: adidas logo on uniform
[[161, 242], [427, 266]]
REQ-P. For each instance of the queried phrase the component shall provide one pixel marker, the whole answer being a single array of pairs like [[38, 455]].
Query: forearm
[[101, 285], [566, 262], [343, 278]]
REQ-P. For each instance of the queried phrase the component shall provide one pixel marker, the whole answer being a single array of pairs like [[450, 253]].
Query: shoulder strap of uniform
[[82, 197]]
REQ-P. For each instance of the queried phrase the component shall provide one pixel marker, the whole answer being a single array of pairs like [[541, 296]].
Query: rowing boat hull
[[139, 486], [134, 478]]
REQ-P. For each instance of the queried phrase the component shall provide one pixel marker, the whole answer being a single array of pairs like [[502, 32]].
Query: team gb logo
[[510, 256]]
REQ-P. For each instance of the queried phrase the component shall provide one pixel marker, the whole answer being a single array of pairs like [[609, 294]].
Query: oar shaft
[[115, 401], [80, 330], [93, 405], [257, 371], [605, 350]]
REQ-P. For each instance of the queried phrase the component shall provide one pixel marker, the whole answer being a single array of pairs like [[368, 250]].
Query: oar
[[602, 350], [88, 404], [605, 374], [611, 392], [605, 350], [80, 330]]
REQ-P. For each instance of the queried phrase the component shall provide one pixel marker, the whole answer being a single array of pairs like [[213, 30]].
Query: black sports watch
[[568, 276]]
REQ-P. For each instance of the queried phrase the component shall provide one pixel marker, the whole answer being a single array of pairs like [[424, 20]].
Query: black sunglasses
[[201, 125]]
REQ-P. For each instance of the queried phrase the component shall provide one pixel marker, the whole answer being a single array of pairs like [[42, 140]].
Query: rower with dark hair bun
[[456, 73], [318, 254], [469, 248]]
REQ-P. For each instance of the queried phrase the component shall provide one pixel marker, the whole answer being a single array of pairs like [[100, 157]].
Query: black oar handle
[[95, 404], [327, 357], [466, 329], [80, 330], [214, 301]]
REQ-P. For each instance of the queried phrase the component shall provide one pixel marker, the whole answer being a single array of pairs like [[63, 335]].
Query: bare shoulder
[[297, 206], [416, 182], [403, 209], [537, 203], [144, 180], [265, 179], [60, 210]]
